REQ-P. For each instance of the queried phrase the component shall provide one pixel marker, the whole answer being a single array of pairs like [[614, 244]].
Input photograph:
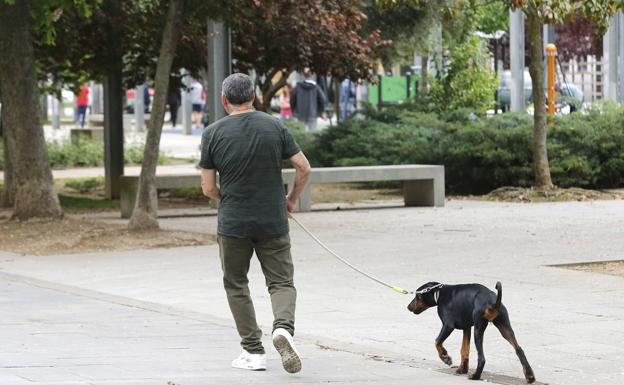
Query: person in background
[[147, 100], [347, 100], [174, 98], [197, 99], [284, 103], [308, 101], [82, 103]]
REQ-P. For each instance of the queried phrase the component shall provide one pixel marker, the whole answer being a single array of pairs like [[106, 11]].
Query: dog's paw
[[447, 360], [530, 379], [474, 376]]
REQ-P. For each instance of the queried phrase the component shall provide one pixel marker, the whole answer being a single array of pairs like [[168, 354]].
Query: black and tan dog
[[464, 306]]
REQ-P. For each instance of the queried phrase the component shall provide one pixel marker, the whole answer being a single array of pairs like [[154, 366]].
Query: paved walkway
[[157, 315]]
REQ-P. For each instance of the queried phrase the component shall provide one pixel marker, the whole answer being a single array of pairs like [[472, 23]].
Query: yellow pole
[[551, 52]]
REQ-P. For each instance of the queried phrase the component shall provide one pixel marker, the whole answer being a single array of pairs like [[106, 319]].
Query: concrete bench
[[423, 185]]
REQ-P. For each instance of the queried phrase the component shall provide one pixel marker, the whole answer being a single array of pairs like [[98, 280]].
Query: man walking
[[308, 101], [247, 148]]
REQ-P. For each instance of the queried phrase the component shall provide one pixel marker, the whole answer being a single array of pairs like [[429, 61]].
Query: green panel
[[393, 89]]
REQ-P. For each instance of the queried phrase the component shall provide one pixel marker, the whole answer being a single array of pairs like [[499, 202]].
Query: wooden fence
[[587, 73]]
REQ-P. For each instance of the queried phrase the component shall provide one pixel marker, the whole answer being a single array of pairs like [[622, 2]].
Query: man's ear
[[225, 103]]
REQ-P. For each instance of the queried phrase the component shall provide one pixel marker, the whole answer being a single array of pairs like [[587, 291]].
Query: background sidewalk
[[568, 322]]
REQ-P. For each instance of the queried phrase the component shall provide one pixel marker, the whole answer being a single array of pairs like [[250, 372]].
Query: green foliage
[[466, 82], [84, 185], [88, 153], [586, 150], [492, 16], [306, 140], [78, 153]]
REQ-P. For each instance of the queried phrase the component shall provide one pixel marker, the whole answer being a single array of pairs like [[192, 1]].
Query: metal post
[[96, 98], [139, 108], [551, 53], [219, 66], [516, 54], [113, 133], [548, 38], [379, 93], [620, 56]]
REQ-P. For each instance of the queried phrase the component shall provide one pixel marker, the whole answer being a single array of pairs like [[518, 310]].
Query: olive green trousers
[[277, 266]]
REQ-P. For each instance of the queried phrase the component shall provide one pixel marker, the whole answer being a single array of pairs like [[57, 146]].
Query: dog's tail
[[499, 296]]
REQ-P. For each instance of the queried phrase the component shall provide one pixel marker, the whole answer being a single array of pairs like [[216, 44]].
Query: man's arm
[[302, 170], [209, 183]]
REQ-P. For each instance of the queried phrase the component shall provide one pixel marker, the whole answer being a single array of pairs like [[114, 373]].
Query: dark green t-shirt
[[247, 150]]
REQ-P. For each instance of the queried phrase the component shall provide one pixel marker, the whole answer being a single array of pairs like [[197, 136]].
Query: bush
[[479, 155], [84, 186], [306, 140], [87, 153], [466, 82]]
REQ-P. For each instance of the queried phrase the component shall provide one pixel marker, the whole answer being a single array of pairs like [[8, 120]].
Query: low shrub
[[88, 153], [482, 154], [86, 185]]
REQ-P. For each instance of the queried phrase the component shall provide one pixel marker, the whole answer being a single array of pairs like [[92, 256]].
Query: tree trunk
[[145, 211], [536, 68], [9, 192], [424, 73], [269, 90], [32, 177]]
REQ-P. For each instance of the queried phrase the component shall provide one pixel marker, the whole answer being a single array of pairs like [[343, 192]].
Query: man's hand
[[209, 183], [302, 170], [291, 204]]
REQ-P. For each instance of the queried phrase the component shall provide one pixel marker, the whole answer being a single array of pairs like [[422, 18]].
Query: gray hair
[[238, 89]]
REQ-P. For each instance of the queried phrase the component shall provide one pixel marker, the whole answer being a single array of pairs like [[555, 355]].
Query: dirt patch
[[610, 267], [530, 195], [351, 193], [70, 235]]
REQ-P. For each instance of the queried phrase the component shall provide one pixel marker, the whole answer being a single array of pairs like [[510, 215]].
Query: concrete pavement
[[568, 322]]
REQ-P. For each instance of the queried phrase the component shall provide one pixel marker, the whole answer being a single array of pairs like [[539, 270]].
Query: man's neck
[[241, 110]]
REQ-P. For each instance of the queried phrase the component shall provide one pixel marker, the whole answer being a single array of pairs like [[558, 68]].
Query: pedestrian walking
[[197, 99], [308, 101], [82, 103], [247, 148], [347, 100], [174, 98]]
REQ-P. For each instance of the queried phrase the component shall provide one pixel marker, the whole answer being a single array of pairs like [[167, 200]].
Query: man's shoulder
[[263, 116]]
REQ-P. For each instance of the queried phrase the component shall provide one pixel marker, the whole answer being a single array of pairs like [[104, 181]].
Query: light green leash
[[399, 290]]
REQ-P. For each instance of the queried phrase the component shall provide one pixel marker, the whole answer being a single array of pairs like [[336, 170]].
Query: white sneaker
[[283, 342], [250, 361]]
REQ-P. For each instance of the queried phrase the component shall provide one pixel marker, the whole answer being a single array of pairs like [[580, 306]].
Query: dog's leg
[[504, 326], [465, 352], [442, 353], [479, 329]]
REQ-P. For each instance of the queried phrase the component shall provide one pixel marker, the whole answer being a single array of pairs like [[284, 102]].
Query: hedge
[[86, 153], [479, 155]]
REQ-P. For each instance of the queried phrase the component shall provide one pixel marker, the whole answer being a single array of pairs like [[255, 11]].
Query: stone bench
[[423, 185]]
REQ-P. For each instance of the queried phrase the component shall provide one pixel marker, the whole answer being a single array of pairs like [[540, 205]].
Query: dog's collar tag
[[436, 295]]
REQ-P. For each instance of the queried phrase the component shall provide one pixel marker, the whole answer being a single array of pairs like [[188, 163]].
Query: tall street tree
[[31, 176], [276, 37], [145, 210], [538, 13]]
